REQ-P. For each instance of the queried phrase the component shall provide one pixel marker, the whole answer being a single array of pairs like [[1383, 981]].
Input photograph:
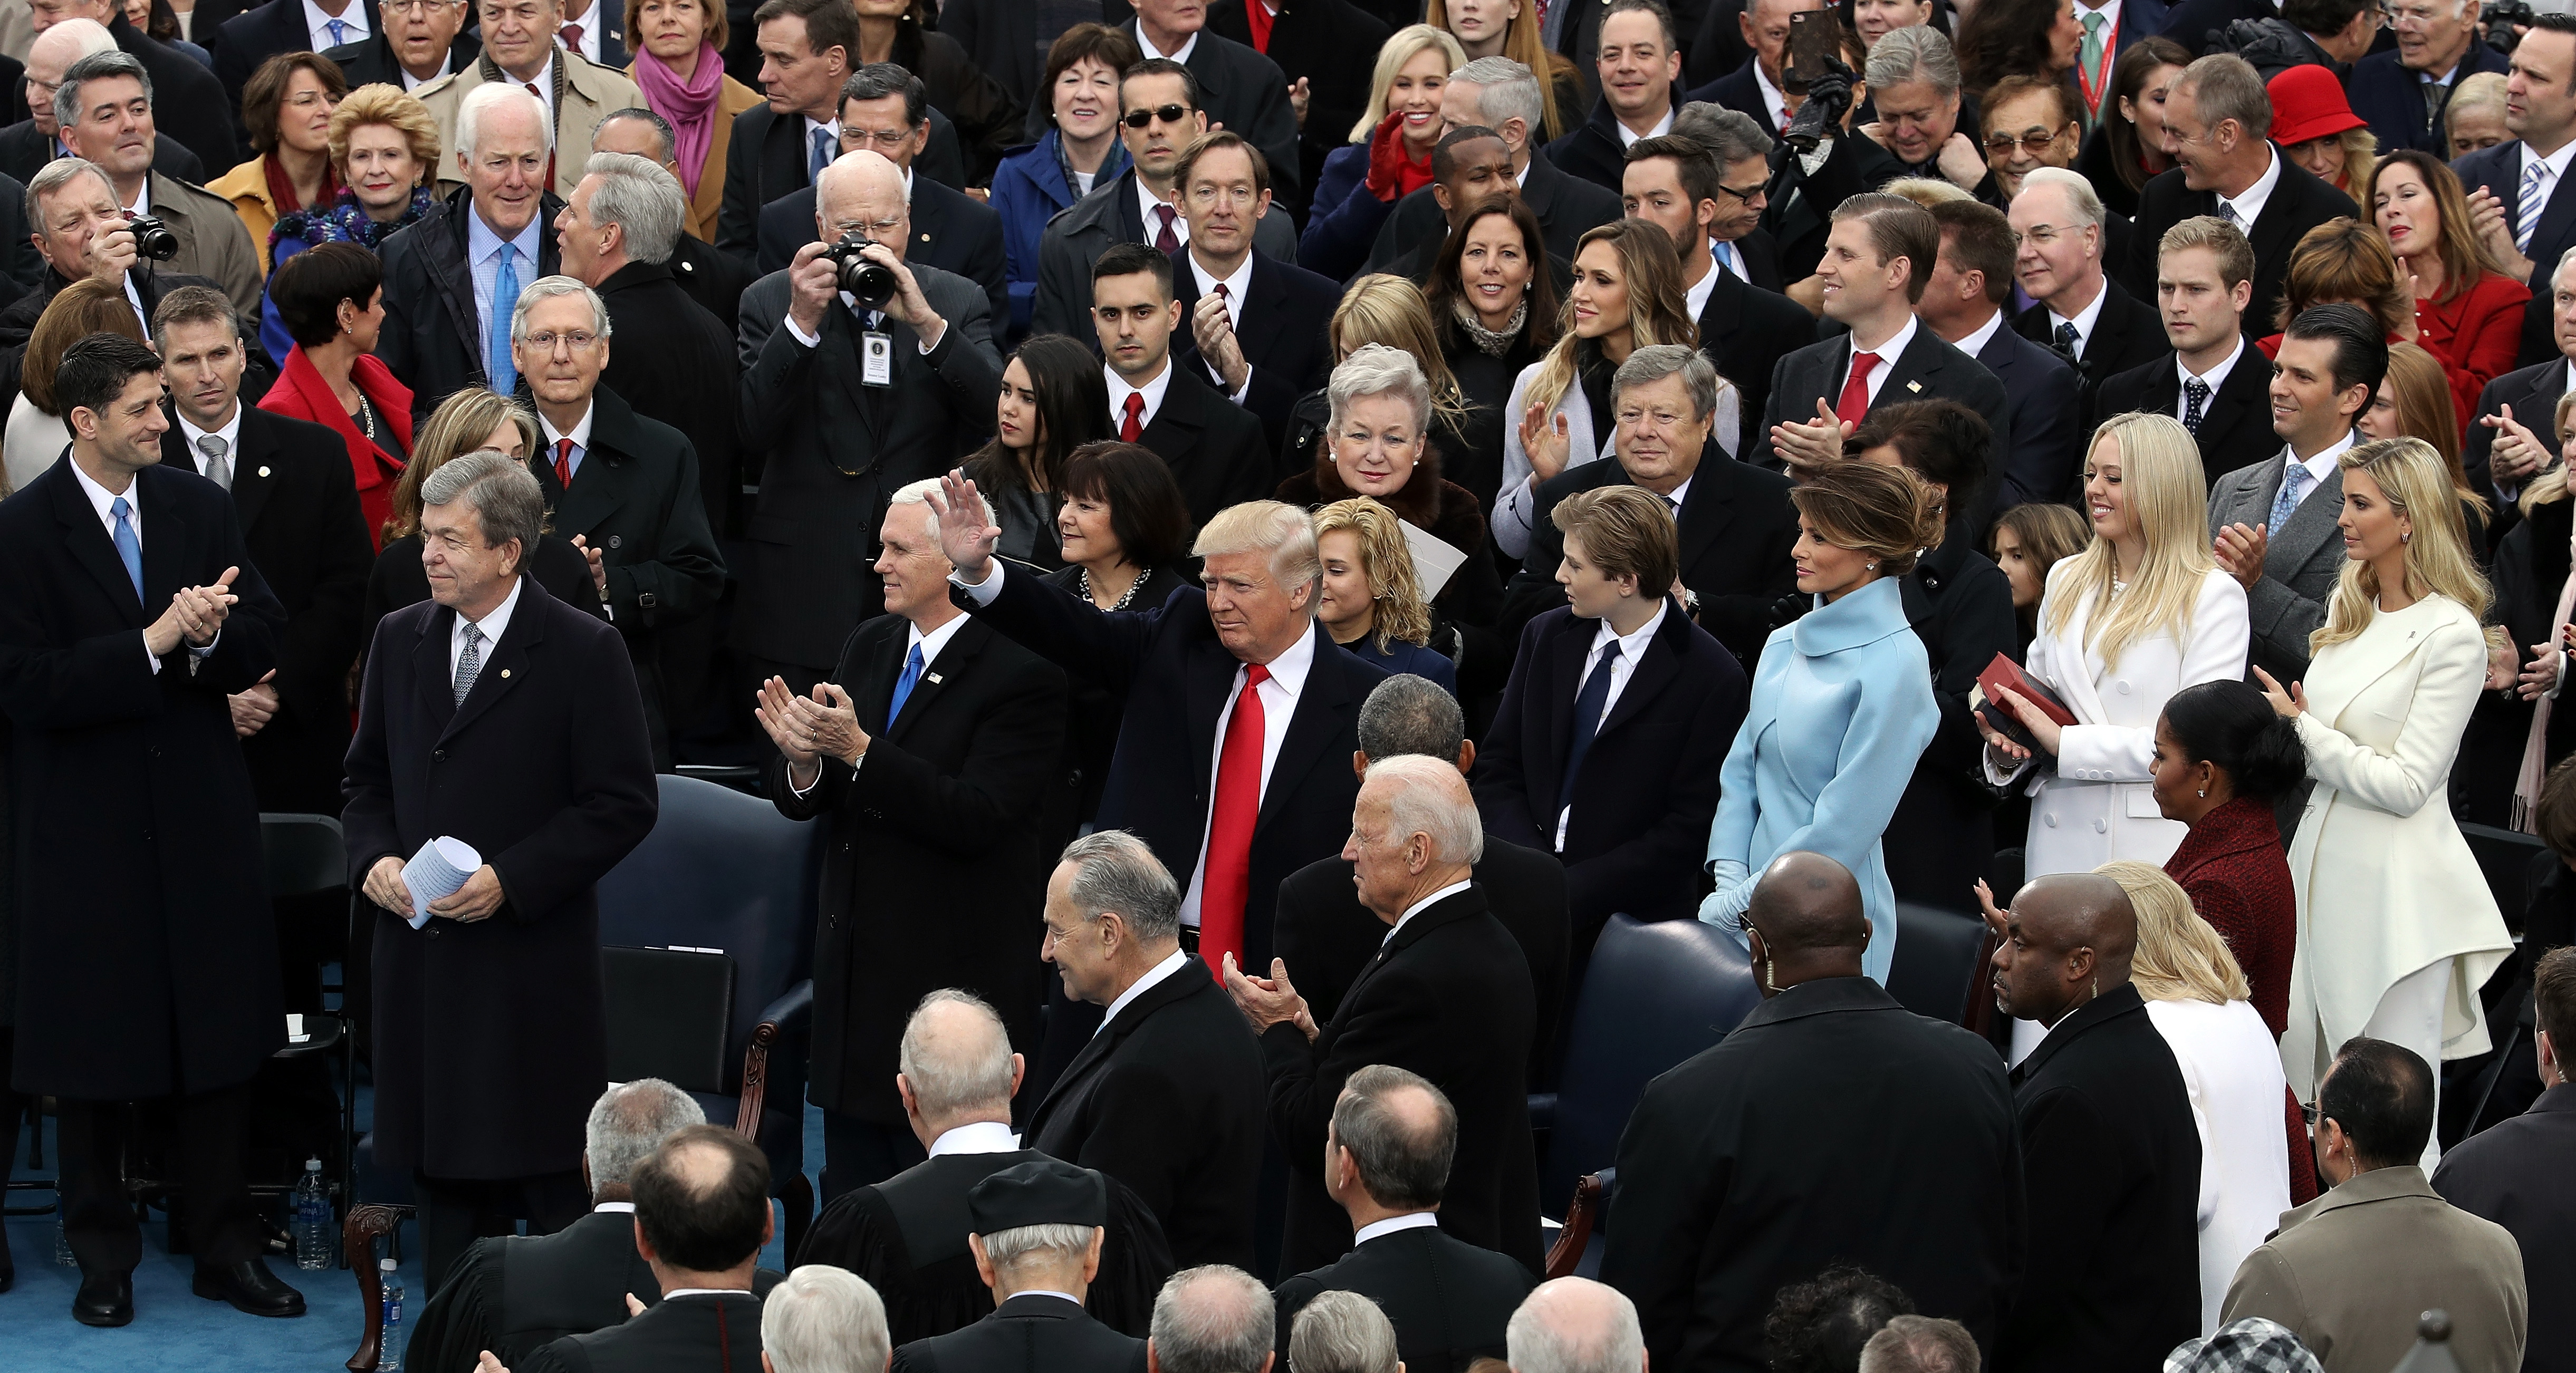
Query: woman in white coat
[[2198, 999], [2397, 930], [2141, 613]]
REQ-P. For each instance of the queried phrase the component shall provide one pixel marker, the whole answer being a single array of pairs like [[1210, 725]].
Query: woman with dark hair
[[2001, 38], [2468, 309], [1053, 401], [1123, 525], [1493, 313], [2222, 758], [987, 121], [1080, 150], [164, 22], [2028, 540], [332, 302], [37, 433], [2344, 262], [679, 48], [288, 104], [2127, 143]]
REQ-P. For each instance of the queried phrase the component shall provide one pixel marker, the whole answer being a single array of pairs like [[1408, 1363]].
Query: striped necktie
[[2535, 180]]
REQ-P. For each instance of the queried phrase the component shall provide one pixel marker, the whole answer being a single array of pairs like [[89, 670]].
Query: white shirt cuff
[[981, 593], [809, 340]]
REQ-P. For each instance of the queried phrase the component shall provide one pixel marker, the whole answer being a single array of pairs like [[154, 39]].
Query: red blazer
[[2475, 337], [302, 394], [2232, 867]]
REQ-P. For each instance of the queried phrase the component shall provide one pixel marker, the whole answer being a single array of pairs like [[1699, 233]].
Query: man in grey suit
[[2278, 533], [850, 404]]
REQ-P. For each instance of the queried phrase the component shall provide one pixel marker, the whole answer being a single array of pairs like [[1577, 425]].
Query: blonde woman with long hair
[[1389, 152], [2397, 931], [2141, 613], [2199, 1000], [1372, 603]]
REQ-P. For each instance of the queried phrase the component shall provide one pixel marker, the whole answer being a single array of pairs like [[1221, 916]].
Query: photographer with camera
[[80, 232], [103, 113]]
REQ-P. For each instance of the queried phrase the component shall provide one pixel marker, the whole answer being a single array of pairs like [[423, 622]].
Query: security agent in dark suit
[[1329, 937], [255, 35], [1216, 449], [2219, 114], [2111, 1280], [1038, 1230], [1500, 94], [411, 47], [1241, 89], [1963, 304], [840, 433], [1832, 1127], [1448, 997], [2204, 281], [1387, 1151], [491, 679], [147, 962], [2495, 177], [298, 508], [511, 1294], [1258, 329], [934, 746], [701, 1217], [808, 48], [2086, 316], [623, 484]]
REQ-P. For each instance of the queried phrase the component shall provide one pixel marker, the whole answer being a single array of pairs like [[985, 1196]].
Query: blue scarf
[[344, 221]]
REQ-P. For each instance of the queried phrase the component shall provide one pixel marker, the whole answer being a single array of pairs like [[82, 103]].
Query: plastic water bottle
[[312, 1224], [391, 1361]]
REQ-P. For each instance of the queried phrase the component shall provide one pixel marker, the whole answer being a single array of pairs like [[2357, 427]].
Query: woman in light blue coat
[[1842, 702]]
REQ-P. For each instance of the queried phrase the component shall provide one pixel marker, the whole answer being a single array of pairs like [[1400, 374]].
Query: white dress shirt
[[493, 627], [1235, 287], [1628, 137], [589, 20], [624, 1207], [1180, 54], [2321, 466], [1695, 296], [2215, 376], [104, 501], [1420, 906], [446, 65], [1146, 214], [1152, 391], [2249, 206], [2556, 163], [978, 1137], [1772, 99], [1887, 354], [1395, 1224], [1171, 964], [579, 434], [352, 20], [2083, 319], [230, 433], [1975, 343], [1621, 669]]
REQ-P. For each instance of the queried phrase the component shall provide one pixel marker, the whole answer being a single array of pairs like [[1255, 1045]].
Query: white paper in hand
[[434, 874], [1435, 561]]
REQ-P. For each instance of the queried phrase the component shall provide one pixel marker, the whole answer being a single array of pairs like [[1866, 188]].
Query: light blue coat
[[1842, 709]]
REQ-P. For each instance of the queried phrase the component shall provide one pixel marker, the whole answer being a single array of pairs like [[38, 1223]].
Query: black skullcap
[[1039, 1192]]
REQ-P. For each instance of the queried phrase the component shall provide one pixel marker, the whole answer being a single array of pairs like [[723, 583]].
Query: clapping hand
[[831, 722], [2518, 454], [1268, 1001], [2487, 221], [195, 616], [1814, 443], [776, 712], [598, 564], [2240, 548], [1214, 330]]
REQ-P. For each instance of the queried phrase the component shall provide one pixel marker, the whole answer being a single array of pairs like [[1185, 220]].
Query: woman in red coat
[[331, 299], [2468, 309]]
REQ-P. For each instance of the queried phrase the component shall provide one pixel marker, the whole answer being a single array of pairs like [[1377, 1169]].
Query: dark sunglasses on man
[[1169, 114]]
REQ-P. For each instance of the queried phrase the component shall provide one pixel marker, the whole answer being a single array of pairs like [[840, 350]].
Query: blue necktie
[[339, 31], [821, 156], [505, 300], [1589, 704], [128, 547], [903, 685], [2294, 479]]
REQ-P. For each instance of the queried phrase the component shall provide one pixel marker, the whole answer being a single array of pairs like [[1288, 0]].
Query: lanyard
[[2094, 83]]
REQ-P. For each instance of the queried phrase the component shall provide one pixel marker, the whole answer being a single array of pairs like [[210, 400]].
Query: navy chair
[[1940, 965]]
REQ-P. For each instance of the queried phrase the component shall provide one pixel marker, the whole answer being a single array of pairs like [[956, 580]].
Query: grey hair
[[1541, 1340], [1115, 871], [505, 497], [1213, 1319], [824, 1319], [1423, 804], [1373, 369], [951, 1075], [651, 119], [637, 195], [471, 109], [52, 177], [1918, 53], [2225, 86], [1920, 1344], [1410, 715], [1656, 361], [1342, 1332], [552, 288], [1730, 136], [1277, 528], [628, 1122], [1030, 1246], [918, 493], [1401, 1165], [98, 66], [2565, 260], [2079, 192], [1505, 91]]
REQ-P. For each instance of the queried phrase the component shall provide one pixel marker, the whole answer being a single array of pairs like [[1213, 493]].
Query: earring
[[1872, 565], [2406, 536], [2204, 793]]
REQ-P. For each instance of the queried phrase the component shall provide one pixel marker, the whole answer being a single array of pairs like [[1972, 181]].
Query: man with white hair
[[2404, 93], [850, 399], [1448, 999], [936, 748], [1913, 78], [1576, 1325], [2058, 227], [1212, 1319], [823, 1320], [31, 143], [452, 280], [1036, 1230], [103, 112], [520, 51], [78, 231]]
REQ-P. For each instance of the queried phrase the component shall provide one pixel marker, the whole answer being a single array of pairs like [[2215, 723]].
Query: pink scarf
[[690, 106], [2535, 746]]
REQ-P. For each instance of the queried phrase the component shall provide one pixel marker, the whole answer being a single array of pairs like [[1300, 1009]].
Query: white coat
[[2099, 806], [2386, 886], [2232, 1071]]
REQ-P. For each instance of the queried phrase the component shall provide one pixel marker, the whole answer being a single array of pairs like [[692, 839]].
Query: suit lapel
[[1573, 645], [1708, 508], [2316, 519], [1311, 727], [596, 492], [430, 669], [165, 543], [2556, 217], [1267, 301], [507, 664], [89, 543], [1916, 368], [1656, 666], [254, 476], [955, 661]]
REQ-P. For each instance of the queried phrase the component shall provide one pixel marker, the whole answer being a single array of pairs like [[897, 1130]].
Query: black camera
[[872, 282], [1829, 98], [2498, 18], [152, 238]]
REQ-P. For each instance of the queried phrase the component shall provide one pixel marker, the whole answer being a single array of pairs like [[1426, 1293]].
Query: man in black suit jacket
[[2219, 114], [1258, 329], [2391, 90], [1832, 1127], [1238, 87], [837, 445], [411, 47], [1963, 305], [1448, 997], [2210, 269], [1167, 1097], [932, 725], [808, 48], [1502, 97], [2113, 1278], [1389, 1145], [1033, 1328], [2507, 1173], [133, 984], [80, 233], [247, 39], [2086, 316], [1639, 83], [1217, 450], [548, 721], [2494, 178]]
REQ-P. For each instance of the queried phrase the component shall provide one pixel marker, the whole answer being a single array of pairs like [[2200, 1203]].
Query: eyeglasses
[[2043, 235], [2308, 1112], [419, 6], [1743, 193], [1169, 114], [544, 341], [2033, 141], [879, 229], [859, 140]]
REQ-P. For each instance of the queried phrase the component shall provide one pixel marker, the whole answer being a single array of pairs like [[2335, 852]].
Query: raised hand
[[966, 529], [2239, 548], [2290, 702], [1544, 439]]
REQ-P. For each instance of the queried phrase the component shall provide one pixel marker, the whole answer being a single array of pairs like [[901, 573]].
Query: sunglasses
[[1169, 114], [2031, 143]]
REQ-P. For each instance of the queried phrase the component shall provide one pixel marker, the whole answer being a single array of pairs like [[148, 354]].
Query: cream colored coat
[[2099, 805], [591, 93], [2386, 885]]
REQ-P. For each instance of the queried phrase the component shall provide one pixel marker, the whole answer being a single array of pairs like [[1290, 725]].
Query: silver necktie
[[469, 664], [217, 470]]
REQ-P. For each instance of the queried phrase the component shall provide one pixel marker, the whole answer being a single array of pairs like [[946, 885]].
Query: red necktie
[[563, 463], [572, 37], [1855, 401], [1258, 18], [1227, 880], [1132, 428], [1164, 240]]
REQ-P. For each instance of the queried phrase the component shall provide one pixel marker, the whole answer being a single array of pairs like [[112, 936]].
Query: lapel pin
[[1913, 386], [934, 678], [505, 673], [263, 471]]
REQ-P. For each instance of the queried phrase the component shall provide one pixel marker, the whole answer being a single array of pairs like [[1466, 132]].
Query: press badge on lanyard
[[876, 358]]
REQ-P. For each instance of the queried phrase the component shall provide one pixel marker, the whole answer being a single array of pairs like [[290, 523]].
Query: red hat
[[2307, 102]]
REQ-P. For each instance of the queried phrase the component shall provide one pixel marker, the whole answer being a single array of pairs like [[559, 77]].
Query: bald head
[[1808, 901], [2068, 938], [702, 1201], [1575, 1325], [52, 54], [858, 192], [1400, 1133], [956, 1062]]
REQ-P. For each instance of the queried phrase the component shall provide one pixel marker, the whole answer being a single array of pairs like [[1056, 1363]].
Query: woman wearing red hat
[[2315, 125], [2468, 310]]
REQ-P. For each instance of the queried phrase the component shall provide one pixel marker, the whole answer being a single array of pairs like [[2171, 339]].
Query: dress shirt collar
[[979, 1137], [1145, 207], [2083, 319], [230, 433], [1887, 353], [1382, 1228], [2556, 162], [1152, 391], [481, 242], [2322, 465], [1237, 287], [1628, 137], [1630, 645], [142, 196], [1695, 296], [1170, 964], [2217, 375], [1976, 341], [831, 126], [1424, 904], [446, 64], [709, 1292], [1726, 255], [1180, 54], [101, 499], [2249, 206], [1290, 667], [1044, 1292], [579, 433], [352, 20], [931, 643], [493, 625], [626, 1207]]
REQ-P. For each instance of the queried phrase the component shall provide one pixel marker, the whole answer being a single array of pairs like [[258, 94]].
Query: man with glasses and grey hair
[[2404, 93], [1036, 1230], [1213, 1319], [508, 722], [415, 42], [1501, 95], [2060, 248]]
